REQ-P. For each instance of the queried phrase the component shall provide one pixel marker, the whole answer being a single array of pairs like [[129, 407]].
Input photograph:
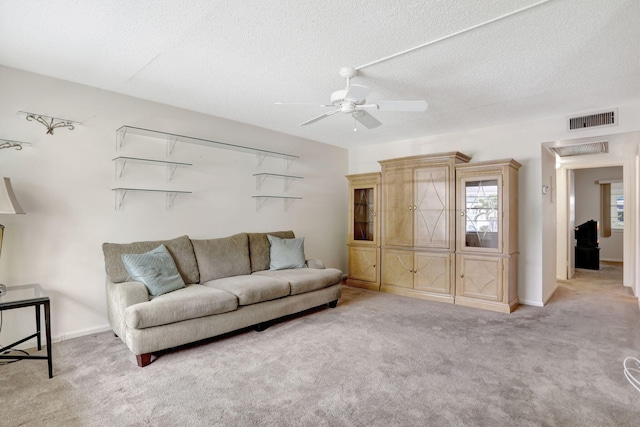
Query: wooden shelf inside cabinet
[[260, 200], [288, 179], [121, 192], [121, 162], [173, 138]]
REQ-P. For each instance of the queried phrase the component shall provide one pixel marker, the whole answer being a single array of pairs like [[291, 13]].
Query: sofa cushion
[[156, 269], [252, 289], [286, 253], [180, 249], [259, 248], [304, 280], [224, 257], [188, 303]]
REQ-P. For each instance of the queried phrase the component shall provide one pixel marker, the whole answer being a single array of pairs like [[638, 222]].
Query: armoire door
[[397, 209], [432, 208]]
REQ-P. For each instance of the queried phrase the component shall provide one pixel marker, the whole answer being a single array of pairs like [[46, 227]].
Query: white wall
[[64, 183], [549, 223], [588, 207], [520, 141]]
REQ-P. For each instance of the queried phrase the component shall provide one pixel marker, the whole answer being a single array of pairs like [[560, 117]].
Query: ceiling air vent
[[606, 118], [582, 149]]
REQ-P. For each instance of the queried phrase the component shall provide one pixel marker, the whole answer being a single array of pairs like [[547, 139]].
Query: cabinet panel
[[363, 263], [397, 268], [364, 231], [398, 207], [432, 207], [481, 213], [363, 209], [479, 277], [433, 272], [363, 218]]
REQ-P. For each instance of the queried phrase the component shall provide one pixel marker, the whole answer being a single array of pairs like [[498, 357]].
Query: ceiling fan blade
[[366, 119], [320, 117], [417, 106], [357, 93]]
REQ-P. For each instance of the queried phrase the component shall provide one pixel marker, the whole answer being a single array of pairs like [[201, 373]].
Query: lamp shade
[[8, 202]]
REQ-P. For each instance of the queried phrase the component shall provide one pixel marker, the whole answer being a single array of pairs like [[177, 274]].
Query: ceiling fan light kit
[[353, 100]]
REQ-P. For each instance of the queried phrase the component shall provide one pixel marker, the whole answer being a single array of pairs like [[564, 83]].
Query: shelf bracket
[[120, 135], [171, 197], [120, 164], [120, 193], [171, 171], [171, 144], [287, 203], [259, 202], [287, 183], [260, 158], [289, 162], [260, 180]]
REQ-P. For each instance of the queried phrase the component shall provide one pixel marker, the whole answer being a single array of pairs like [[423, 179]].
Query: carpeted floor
[[375, 360]]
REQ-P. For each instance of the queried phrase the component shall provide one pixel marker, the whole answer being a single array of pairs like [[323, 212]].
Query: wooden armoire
[[437, 227], [418, 225]]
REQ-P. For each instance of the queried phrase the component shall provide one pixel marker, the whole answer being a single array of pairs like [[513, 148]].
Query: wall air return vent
[[605, 118], [582, 149]]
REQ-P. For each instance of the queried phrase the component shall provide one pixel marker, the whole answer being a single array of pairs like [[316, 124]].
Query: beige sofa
[[229, 286]]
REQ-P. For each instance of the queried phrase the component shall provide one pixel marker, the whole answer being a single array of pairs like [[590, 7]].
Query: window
[[617, 206]]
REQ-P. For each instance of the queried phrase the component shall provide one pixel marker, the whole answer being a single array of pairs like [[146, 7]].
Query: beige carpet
[[375, 360]]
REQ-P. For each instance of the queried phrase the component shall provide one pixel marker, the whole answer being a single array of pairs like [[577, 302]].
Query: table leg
[[37, 307], [47, 322]]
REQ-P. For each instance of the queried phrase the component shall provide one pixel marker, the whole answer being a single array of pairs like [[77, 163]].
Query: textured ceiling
[[234, 59]]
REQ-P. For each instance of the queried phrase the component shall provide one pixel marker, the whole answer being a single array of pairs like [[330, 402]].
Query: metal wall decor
[[7, 143], [49, 122]]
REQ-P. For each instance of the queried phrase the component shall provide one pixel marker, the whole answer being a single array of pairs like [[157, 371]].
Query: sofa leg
[[260, 327], [333, 304], [143, 359]]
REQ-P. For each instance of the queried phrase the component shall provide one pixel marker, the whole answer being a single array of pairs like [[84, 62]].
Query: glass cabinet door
[[363, 214], [482, 214]]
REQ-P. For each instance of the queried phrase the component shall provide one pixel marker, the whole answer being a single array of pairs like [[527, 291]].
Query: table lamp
[[8, 205]]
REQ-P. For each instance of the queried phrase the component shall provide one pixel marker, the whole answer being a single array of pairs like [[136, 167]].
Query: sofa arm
[[315, 263], [119, 297]]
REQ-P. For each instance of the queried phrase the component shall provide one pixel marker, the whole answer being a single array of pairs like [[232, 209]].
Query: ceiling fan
[[353, 100]]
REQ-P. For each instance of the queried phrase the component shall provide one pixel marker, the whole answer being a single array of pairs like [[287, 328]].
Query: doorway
[[559, 207]]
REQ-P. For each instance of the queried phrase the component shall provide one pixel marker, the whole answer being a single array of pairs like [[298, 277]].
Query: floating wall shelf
[[122, 192], [173, 138], [49, 122], [121, 162], [288, 179]]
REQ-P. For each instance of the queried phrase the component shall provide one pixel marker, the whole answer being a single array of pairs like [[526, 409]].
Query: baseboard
[[547, 297], [81, 333], [32, 343], [532, 303]]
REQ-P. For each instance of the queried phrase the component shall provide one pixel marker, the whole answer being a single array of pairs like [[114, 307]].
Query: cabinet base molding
[[362, 284], [488, 305], [413, 293]]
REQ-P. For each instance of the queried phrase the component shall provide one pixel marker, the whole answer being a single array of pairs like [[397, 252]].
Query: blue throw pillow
[[156, 269], [286, 253]]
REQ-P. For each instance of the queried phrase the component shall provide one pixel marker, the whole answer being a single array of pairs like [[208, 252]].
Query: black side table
[[29, 296]]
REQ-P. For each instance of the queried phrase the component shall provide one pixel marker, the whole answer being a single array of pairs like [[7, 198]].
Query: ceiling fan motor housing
[[346, 105]]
